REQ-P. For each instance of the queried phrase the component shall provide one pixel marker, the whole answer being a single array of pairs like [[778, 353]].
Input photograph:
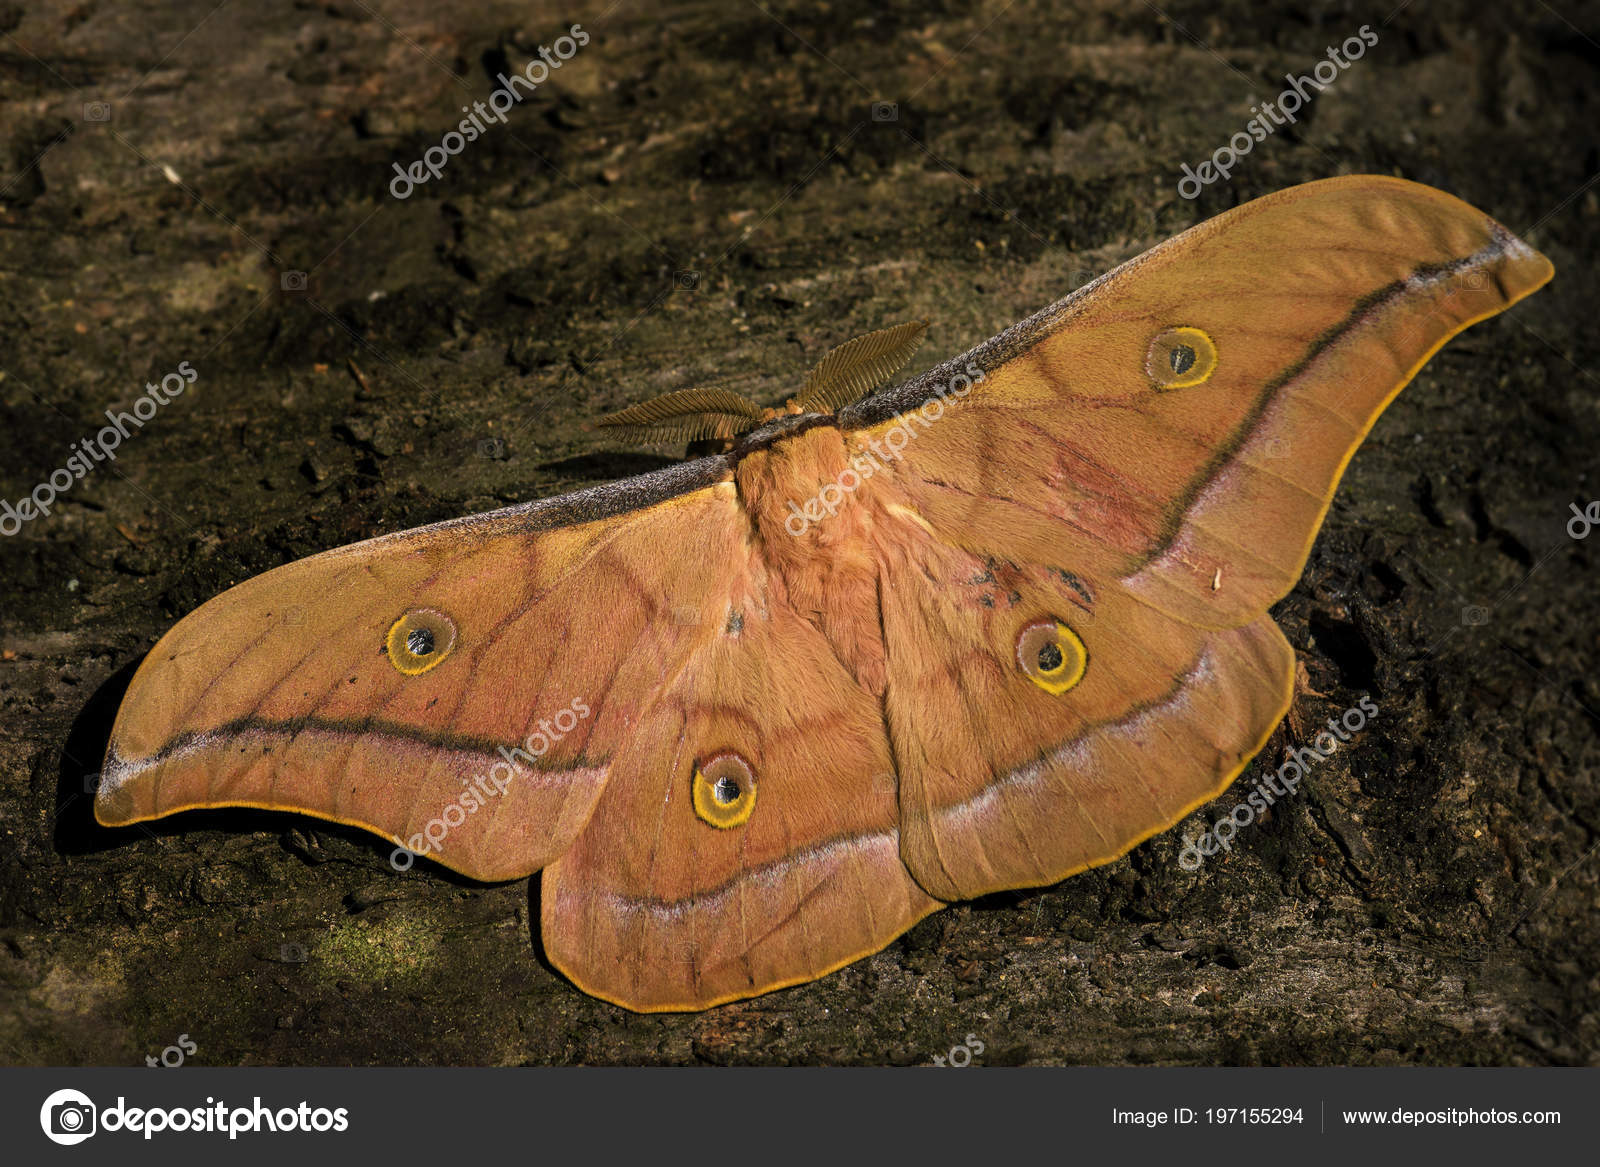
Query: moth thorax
[[807, 475]]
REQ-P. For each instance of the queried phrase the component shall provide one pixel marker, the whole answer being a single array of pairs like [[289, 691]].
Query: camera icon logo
[[68, 1117], [885, 111], [492, 448], [294, 281], [1474, 615], [686, 281], [97, 111]]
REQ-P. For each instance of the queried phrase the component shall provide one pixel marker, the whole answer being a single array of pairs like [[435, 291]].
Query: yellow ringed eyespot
[[420, 640], [1180, 357], [1051, 655], [724, 790]]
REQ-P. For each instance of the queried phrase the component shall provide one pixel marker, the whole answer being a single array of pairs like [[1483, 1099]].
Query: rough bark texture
[[1428, 897]]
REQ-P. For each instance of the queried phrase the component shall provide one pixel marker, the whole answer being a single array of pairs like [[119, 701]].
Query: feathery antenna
[[684, 415], [857, 367]]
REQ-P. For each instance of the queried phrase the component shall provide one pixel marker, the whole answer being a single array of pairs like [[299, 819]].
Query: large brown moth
[[756, 714]]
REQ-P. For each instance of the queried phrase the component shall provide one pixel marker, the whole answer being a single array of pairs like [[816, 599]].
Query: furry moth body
[[982, 630]]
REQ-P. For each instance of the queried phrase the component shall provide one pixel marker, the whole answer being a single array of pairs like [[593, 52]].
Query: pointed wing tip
[[115, 791]]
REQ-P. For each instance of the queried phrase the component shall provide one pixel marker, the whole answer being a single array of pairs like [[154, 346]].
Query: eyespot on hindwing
[[1051, 655], [724, 790]]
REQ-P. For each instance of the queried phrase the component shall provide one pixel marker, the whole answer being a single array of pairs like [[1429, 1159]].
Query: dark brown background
[[1431, 894]]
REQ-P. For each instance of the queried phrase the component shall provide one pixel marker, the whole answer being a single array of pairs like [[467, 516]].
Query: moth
[[755, 714]]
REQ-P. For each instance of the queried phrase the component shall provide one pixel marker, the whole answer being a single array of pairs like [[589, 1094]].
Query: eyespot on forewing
[[1180, 357], [420, 640]]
